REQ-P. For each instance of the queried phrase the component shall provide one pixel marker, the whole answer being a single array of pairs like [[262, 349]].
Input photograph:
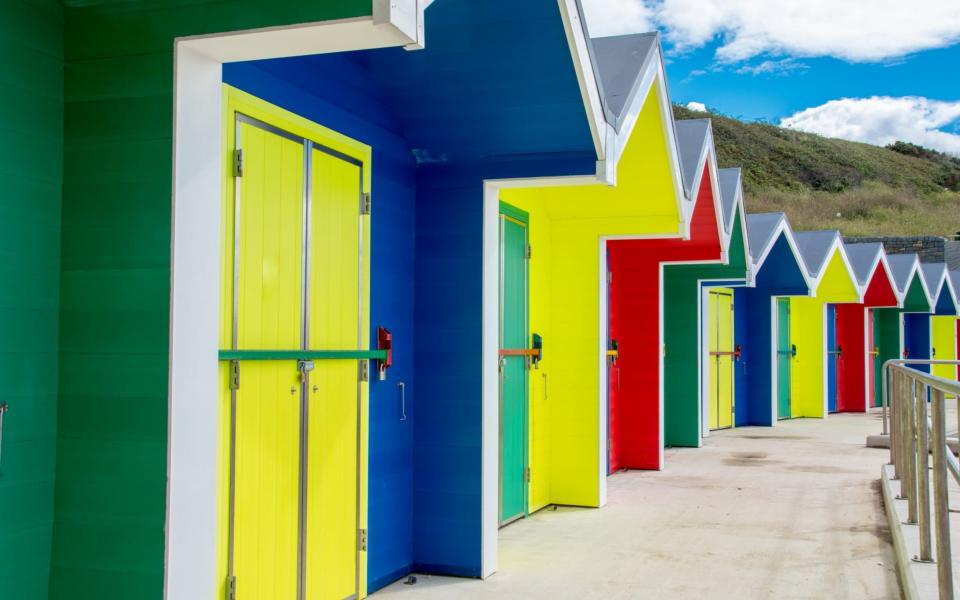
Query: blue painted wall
[[916, 338], [780, 276]]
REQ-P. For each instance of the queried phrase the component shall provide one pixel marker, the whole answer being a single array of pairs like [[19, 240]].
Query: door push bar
[[736, 353], [534, 354], [792, 351]]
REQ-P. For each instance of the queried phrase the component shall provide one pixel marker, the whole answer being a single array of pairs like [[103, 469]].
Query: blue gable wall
[[780, 276]]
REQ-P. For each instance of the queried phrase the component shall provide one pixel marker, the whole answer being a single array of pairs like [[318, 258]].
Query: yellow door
[[295, 251], [721, 359], [267, 411], [944, 345], [334, 408]]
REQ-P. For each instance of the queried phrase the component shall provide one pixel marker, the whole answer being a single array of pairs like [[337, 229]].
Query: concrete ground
[[787, 512]]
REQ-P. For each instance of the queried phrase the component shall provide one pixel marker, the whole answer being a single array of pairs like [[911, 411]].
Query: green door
[[784, 356], [513, 365]]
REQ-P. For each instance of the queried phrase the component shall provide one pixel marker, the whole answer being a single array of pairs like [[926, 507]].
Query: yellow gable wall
[[808, 332], [945, 343], [566, 225]]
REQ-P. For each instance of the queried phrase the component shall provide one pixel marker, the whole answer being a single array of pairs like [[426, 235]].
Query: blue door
[[832, 353], [916, 338]]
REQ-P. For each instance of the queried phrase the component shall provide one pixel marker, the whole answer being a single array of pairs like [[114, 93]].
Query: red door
[[614, 422]]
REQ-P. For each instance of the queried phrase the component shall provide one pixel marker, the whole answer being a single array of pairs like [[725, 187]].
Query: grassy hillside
[[824, 183]]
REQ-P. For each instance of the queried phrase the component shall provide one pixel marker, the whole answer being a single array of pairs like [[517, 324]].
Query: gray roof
[[729, 186], [619, 62], [691, 136], [814, 247], [760, 229], [933, 273], [901, 265], [862, 258]]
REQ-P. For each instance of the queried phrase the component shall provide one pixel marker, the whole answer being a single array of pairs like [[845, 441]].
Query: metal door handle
[[403, 400]]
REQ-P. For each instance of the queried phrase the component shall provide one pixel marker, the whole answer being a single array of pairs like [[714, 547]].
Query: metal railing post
[[923, 481], [940, 499], [894, 423], [885, 373], [912, 450]]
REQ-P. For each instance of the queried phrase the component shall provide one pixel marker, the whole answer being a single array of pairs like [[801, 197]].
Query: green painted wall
[[887, 332], [31, 166], [681, 291], [111, 452]]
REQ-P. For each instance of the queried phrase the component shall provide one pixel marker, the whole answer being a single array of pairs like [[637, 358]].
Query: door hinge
[[364, 369], [234, 374], [231, 589], [238, 163], [362, 540], [609, 276], [526, 474], [527, 251], [609, 444], [365, 203]]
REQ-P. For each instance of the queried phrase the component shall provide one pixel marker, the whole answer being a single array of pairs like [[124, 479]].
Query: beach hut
[[763, 367], [334, 169], [568, 289], [812, 324], [856, 357], [943, 318], [888, 323], [701, 334], [638, 297]]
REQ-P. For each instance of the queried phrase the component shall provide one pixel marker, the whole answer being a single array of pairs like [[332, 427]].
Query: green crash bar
[[302, 354]]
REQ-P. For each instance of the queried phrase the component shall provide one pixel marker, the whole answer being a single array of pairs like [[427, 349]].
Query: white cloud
[[882, 120], [617, 17], [697, 106], [772, 67], [855, 30]]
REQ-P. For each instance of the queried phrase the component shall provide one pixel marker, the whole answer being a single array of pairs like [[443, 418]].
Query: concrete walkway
[[787, 512]]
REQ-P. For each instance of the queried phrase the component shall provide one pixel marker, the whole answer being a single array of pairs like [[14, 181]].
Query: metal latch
[[231, 589], [362, 540], [305, 366], [526, 474], [234, 374]]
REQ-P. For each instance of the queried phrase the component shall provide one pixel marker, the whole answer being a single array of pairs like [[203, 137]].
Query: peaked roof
[[815, 249], [955, 280], [620, 62], [761, 231], [691, 137], [903, 267], [935, 274], [729, 189], [864, 258]]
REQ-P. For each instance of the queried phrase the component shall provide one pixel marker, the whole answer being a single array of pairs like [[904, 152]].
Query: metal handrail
[[913, 436], [885, 373]]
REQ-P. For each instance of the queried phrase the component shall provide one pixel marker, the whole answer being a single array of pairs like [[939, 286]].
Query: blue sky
[[811, 81], [868, 70]]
